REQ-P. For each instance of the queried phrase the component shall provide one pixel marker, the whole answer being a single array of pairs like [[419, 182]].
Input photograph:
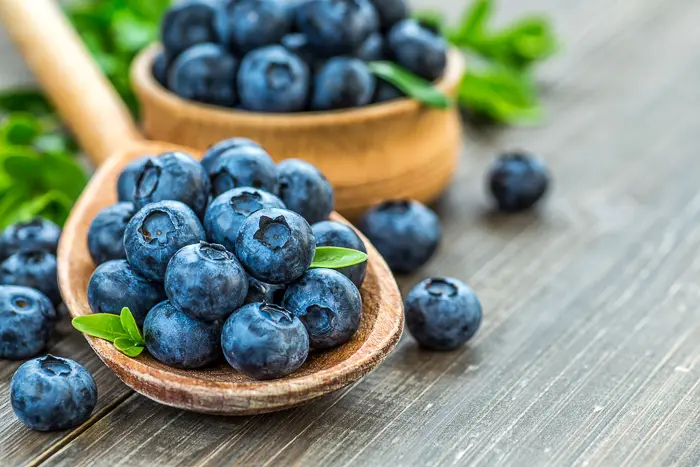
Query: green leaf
[[331, 257], [24, 100], [129, 324], [53, 205], [412, 85], [128, 347], [103, 325], [20, 128], [473, 23]]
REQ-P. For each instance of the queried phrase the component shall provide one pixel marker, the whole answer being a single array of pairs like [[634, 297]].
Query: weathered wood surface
[[588, 352]]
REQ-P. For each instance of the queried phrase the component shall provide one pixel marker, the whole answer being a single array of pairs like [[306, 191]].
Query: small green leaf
[[103, 325], [24, 100], [20, 128], [129, 324], [128, 347], [331, 257], [473, 23], [412, 85]]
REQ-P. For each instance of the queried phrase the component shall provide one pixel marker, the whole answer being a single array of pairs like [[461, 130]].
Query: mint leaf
[[412, 85], [103, 325], [332, 257], [128, 347], [129, 324], [473, 23]]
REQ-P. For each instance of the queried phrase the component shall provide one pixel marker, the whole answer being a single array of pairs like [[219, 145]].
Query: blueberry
[[35, 269], [264, 341], [27, 320], [371, 48], [192, 22], [331, 233], [174, 338], [342, 82], [386, 92], [298, 44], [337, 27], [206, 282], [275, 245], [115, 285], [127, 179], [390, 12], [305, 190], [418, 49], [517, 181], [328, 304], [256, 23], [36, 234], [160, 69], [156, 233], [52, 393], [272, 79], [106, 234], [211, 157], [205, 73], [245, 166], [262, 292], [442, 313], [227, 212], [173, 176], [405, 232]]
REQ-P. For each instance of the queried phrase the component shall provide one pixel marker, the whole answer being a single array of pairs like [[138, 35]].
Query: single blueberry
[[205, 73], [36, 234], [256, 23], [106, 234], [160, 69], [442, 313], [27, 320], [35, 269], [387, 92], [173, 176], [390, 12], [332, 233], [52, 393], [275, 245], [259, 292], [244, 166], [127, 179], [115, 285], [156, 233], [305, 190], [518, 181], [371, 48], [264, 341], [342, 82], [405, 232], [211, 157], [217, 287], [227, 212], [328, 304], [191, 22], [272, 79], [298, 44], [337, 27], [418, 49], [174, 338]]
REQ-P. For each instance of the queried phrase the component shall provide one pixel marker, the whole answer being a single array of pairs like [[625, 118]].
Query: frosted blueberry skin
[[227, 212], [256, 23], [518, 181], [174, 338], [405, 232], [191, 22], [36, 234], [211, 157], [386, 92], [27, 321], [206, 282], [264, 341], [127, 179], [205, 73], [52, 393], [115, 285], [172, 176], [156, 233], [35, 269], [262, 292], [305, 190], [244, 166], [418, 49], [328, 304], [342, 82], [390, 12], [371, 48], [106, 234], [160, 69], [275, 246], [442, 313], [298, 44], [332, 233]]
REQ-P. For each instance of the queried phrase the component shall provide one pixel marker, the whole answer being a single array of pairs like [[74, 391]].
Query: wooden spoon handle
[[63, 66]]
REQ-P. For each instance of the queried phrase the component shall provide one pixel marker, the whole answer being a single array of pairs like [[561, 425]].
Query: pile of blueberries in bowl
[[292, 55]]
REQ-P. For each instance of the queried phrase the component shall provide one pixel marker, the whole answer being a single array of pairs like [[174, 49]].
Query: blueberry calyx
[[247, 202], [156, 227], [400, 206], [147, 183], [275, 313], [318, 320], [22, 304], [214, 252], [54, 366], [273, 233], [441, 288]]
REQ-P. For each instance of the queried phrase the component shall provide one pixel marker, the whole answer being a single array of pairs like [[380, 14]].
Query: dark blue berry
[[259, 292], [305, 190], [27, 320], [256, 23], [192, 22], [205, 73], [244, 166], [35, 269], [264, 341], [518, 181], [211, 157], [387, 92], [390, 12], [106, 234], [418, 49], [442, 313], [332, 233], [342, 82], [127, 179], [160, 69], [36, 234], [298, 44], [371, 48]]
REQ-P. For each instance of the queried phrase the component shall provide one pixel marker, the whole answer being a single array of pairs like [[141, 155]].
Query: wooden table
[[589, 347]]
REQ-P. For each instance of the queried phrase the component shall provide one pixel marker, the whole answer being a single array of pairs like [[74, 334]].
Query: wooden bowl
[[398, 149], [221, 390]]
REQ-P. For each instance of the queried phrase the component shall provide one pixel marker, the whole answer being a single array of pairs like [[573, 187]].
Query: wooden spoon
[[105, 129]]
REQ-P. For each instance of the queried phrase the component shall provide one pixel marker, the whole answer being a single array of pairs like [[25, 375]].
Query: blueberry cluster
[[213, 258], [291, 55]]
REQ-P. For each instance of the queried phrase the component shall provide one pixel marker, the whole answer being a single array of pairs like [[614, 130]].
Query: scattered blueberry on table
[[36, 234], [32, 268], [27, 320], [517, 181]]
